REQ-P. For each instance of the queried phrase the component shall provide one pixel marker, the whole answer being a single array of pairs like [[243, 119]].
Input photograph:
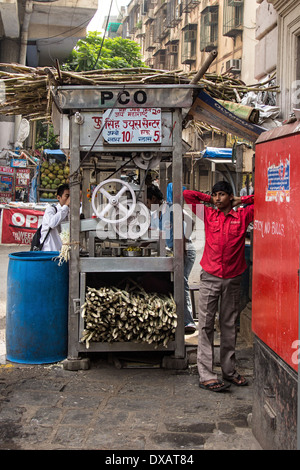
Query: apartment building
[[178, 35]]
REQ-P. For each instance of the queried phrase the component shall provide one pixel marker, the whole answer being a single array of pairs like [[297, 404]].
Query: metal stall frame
[[73, 103]]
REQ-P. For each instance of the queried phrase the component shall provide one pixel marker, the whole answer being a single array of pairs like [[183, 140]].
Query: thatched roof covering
[[27, 90]]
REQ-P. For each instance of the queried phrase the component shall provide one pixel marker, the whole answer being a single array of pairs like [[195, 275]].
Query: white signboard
[[130, 125]]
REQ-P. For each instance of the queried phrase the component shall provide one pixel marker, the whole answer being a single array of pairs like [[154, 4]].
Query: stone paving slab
[[120, 409], [105, 408]]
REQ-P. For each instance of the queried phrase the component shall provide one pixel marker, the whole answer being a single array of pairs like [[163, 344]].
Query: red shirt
[[224, 251]]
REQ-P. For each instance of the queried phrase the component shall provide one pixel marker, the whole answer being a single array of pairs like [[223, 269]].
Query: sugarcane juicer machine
[[115, 136]]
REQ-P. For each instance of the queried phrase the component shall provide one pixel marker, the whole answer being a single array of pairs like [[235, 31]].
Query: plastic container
[[37, 308]]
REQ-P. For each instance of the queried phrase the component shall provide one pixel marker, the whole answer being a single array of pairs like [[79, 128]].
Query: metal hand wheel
[[147, 161], [136, 225], [114, 201]]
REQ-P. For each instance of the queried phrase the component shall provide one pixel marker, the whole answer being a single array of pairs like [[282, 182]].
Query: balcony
[[160, 59], [188, 48], [174, 13], [160, 28], [233, 17], [189, 5]]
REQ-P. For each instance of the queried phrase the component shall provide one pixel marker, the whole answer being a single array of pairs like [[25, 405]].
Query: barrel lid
[[33, 255]]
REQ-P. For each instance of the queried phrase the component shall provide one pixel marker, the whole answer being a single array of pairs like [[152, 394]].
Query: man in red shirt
[[223, 263]]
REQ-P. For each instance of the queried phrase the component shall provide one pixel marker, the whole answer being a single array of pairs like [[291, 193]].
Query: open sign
[[19, 225], [26, 220]]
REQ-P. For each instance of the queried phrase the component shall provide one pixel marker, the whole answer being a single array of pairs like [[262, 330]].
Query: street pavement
[[121, 403]]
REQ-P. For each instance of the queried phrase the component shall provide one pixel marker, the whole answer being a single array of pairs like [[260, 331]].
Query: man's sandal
[[217, 386], [239, 381]]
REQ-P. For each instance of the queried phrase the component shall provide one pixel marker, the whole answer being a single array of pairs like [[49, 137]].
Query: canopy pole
[[212, 55]]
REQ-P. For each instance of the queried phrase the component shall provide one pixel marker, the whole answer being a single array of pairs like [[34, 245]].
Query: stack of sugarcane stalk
[[201, 127], [227, 88], [130, 76], [28, 89], [25, 92], [131, 314]]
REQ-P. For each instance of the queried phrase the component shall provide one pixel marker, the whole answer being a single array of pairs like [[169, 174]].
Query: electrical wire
[[73, 13], [99, 53], [49, 44], [63, 32], [75, 173]]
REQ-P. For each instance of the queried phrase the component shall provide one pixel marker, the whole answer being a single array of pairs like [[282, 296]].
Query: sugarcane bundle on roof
[[28, 89]]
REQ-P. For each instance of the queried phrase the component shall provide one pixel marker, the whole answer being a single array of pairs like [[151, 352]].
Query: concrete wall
[[278, 49], [288, 39], [249, 41], [52, 29], [267, 36], [9, 52]]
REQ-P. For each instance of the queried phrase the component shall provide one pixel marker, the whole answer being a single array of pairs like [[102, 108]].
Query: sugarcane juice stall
[[125, 291]]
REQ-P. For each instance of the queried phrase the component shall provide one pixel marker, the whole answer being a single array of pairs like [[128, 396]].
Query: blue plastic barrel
[[37, 308]]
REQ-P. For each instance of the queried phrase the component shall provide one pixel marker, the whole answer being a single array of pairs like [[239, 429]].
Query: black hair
[[154, 191], [61, 189], [222, 186]]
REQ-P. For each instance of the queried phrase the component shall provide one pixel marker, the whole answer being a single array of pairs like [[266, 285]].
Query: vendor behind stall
[[53, 217], [163, 219]]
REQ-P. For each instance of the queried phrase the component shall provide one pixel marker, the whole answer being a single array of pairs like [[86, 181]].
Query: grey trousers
[[212, 289]]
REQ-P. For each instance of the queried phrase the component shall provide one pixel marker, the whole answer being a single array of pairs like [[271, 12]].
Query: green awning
[[113, 27]]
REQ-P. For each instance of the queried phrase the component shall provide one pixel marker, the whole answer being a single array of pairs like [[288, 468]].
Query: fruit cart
[[115, 137], [53, 171]]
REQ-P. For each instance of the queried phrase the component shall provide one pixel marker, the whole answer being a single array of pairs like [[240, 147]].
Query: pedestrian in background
[[189, 261], [53, 217], [164, 221]]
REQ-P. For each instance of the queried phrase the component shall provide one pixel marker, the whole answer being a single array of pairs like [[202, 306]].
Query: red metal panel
[[275, 290]]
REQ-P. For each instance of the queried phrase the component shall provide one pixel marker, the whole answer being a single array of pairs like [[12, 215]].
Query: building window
[[233, 17], [160, 59], [189, 40], [172, 55], [209, 29]]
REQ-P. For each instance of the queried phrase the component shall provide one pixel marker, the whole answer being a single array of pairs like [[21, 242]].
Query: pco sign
[[124, 97]]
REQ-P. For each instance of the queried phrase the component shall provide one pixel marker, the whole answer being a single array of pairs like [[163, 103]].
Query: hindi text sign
[[130, 125]]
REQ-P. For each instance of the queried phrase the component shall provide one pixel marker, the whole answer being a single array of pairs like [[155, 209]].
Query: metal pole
[[213, 54], [22, 56], [74, 238], [178, 242]]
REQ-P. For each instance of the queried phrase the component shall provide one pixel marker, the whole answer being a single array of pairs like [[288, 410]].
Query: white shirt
[[53, 220]]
